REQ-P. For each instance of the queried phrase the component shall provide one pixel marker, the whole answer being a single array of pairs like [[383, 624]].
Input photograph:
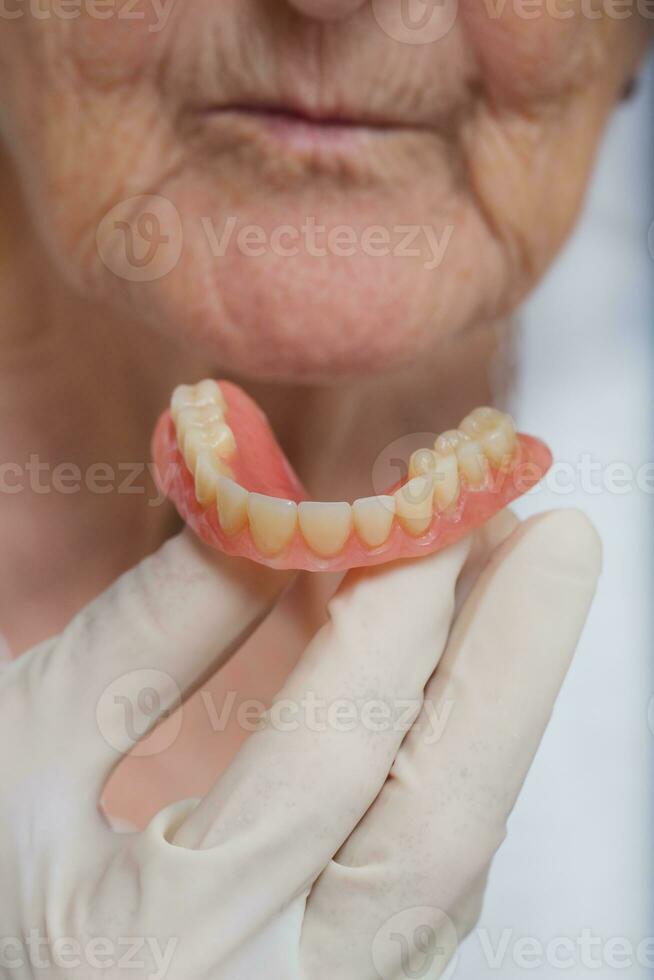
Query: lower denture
[[218, 460]]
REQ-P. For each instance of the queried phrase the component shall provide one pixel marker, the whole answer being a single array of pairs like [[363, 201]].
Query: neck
[[80, 390], [345, 441]]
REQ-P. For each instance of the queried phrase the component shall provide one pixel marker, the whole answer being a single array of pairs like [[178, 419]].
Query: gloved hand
[[306, 860]]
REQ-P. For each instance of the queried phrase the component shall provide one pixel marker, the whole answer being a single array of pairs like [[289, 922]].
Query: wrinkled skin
[[487, 135]]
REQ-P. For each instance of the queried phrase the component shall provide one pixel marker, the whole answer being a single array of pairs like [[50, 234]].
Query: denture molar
[[192, 416], [272, 522], [373, 519], [232, 502], [216, 436], [205, 393], [449, 442], [495, 433], [325, 526], [199, 415], [414, 505], [469, 455]]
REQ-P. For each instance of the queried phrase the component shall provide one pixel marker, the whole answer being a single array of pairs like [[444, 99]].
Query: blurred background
[[582, 829]]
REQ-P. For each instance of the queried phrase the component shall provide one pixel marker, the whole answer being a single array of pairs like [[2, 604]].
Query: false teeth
[[486, 437], [472, 463], [495, 432], [205, 393], [216, 436], [373, 519], [446, 481], [414, 505], [232, 506], [422, 462], [325, 526], [199, 416], [209, 469], [450, 441], [272, 522]]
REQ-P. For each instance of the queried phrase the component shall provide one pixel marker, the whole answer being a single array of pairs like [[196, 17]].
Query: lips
[[302, 132], [282, 114], [232, 59]]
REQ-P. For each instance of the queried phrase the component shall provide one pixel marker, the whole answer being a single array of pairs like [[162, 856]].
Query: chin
[[294, 320], [262, 297]]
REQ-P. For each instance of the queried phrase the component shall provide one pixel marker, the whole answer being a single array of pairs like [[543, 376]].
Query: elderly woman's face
[[331, 186]]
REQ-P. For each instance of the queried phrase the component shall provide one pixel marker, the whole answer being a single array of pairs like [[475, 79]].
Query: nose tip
[[327, 9]]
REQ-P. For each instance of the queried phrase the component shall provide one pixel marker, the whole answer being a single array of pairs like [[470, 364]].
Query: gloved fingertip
[[568, 540]]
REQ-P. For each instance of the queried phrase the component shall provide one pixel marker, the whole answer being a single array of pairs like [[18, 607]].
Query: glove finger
[[407, 885], [303, 781], [141, 648], [486, 540]]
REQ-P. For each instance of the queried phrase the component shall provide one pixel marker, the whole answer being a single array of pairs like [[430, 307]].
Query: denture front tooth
[[373, 519], [422, 462], [232, 506], [325, 526], [272, 522], [208, 471], [499, 442], [446, 482], [472, 463], [414, 505]]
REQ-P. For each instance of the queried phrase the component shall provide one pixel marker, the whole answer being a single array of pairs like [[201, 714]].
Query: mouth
[[306, 128], [218, 460]]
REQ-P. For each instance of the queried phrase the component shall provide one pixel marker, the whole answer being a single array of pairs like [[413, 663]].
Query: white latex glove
[[306, 860]]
